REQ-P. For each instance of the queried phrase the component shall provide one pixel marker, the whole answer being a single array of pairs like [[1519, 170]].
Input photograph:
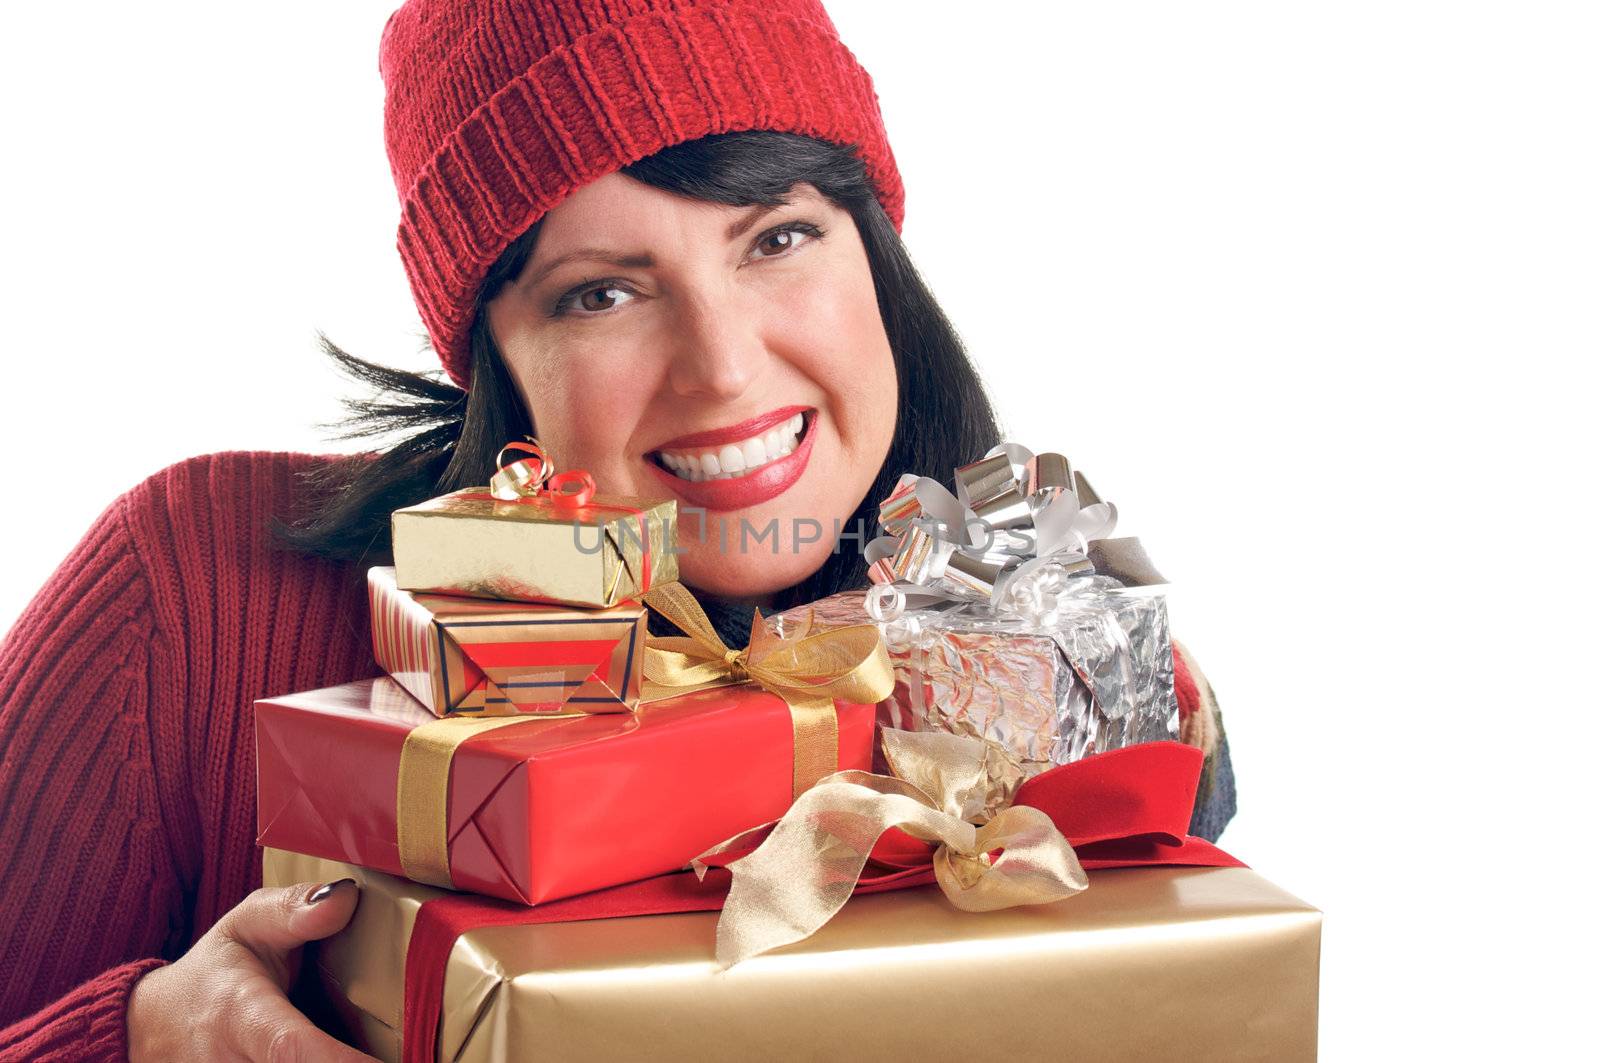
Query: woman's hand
[[225, 999]]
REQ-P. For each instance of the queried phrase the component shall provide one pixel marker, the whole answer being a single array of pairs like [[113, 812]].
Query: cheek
[[832, 330], [867, 394], [583, 407]]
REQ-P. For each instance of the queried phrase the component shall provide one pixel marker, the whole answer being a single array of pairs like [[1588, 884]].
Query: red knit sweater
[[127, 755], [127, 752]]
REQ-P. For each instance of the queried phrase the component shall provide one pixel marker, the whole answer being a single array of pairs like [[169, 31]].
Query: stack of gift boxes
[[506, 753], [515, 752]]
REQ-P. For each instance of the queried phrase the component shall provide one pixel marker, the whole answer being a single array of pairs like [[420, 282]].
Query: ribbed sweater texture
[[127, 751]]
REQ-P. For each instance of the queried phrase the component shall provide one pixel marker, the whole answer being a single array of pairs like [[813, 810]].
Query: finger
[[278, 920], [270, 1030]]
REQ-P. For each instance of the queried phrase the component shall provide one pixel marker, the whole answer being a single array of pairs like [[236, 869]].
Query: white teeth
[[736, 459]]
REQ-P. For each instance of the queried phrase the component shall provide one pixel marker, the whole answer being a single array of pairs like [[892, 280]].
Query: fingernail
[[322, 893]]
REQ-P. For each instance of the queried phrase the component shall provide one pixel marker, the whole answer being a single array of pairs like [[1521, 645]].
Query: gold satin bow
[[807, 671], [808, 866]]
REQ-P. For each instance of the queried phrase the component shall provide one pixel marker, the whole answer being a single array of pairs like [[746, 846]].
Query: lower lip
[[767, 482]]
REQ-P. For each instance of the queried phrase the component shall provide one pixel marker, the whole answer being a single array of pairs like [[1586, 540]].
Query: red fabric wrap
[[1126, 808]]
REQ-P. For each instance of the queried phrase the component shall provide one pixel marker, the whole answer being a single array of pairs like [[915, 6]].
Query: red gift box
[[545, 808]]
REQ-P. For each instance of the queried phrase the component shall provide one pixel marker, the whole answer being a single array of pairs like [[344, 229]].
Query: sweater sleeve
[[1200, 724], [89, 1023], [89, 899]]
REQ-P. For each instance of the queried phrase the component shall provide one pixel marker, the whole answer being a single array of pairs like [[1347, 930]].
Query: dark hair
[[944, 418]]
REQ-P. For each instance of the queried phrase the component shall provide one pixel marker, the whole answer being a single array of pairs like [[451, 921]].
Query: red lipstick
[[755, 426], [769, 481]]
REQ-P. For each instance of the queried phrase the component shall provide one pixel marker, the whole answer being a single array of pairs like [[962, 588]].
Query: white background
[[1309, 290]]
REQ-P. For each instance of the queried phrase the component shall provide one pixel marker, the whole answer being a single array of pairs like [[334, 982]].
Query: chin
[[708, 570]]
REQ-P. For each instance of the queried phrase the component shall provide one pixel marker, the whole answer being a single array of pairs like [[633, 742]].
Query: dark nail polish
[[322, 893]]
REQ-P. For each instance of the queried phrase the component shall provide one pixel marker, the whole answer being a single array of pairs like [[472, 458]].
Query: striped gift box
[[457, 654]]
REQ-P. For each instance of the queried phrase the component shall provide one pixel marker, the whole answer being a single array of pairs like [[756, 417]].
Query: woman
[[664, 234]]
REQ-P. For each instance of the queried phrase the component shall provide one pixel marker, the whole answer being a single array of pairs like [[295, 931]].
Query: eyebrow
[[643, 259]]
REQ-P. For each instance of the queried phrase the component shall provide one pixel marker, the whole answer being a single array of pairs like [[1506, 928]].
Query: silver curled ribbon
[[1016, 539], [1010, 536]]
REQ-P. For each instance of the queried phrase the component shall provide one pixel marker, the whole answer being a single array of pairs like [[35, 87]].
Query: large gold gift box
[[1184, 964], [531, 550]]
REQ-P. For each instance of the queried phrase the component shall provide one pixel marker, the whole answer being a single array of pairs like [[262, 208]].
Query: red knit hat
[[497, 109]]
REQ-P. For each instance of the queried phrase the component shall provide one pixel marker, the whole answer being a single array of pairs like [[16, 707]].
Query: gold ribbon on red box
[[808, 671]]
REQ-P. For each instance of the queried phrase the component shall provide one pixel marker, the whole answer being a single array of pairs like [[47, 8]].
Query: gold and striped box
[[457, 654]]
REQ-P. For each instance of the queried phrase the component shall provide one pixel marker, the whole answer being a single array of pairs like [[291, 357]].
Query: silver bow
[[1017, 524]]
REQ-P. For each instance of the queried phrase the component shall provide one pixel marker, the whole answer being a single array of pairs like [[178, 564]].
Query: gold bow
[[808, 866], [807, 671]]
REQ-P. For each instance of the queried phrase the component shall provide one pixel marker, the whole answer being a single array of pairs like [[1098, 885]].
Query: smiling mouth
[[736, 459]]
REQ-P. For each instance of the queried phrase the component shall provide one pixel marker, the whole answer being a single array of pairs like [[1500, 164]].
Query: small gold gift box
[[535, 549]]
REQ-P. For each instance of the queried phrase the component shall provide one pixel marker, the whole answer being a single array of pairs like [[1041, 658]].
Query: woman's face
[[732, 358]]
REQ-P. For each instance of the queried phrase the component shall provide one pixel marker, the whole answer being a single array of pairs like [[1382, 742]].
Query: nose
[[719, 351]]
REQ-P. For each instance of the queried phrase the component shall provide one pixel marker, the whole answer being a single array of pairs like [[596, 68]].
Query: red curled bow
[[529, 477], [571, 489]]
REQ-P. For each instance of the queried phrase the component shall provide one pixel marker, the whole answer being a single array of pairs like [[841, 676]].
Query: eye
[[597, 297], [775, 243]]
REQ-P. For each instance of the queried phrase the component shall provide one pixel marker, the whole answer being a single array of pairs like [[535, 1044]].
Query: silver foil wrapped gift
[[1011, 616]]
